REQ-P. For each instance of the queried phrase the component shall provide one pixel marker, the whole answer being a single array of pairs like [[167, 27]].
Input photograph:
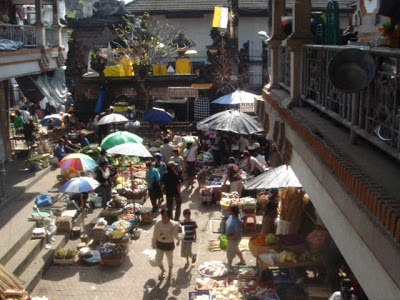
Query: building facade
[[344, 147], [38, 25]]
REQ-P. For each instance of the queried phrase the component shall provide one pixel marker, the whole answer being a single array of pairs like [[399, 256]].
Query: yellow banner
[[220, 19]]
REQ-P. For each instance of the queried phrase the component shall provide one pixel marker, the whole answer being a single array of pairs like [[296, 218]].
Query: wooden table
[[286, 265]]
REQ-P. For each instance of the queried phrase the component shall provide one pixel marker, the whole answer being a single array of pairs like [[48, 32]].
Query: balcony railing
[[284, 68], [49, 33], [373, 113], [20, 33]]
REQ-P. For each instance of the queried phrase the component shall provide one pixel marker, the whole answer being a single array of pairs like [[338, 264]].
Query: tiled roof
[[153, 6], [316, 4]]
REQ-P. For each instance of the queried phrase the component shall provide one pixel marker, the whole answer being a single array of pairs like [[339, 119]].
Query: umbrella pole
[[83, 216], [130, 168]]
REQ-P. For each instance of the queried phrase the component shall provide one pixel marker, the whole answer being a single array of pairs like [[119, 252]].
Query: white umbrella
[[80, 185], [112, 118], [130, 149], [282, 176], [236, 97]]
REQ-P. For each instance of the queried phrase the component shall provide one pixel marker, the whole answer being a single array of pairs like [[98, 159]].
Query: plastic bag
[[152, 258], [44, 200], [269, 257]]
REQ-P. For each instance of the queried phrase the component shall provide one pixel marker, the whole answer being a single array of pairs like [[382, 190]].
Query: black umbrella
[[233, 121]]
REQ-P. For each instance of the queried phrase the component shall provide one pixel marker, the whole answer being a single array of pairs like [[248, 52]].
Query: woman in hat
[[346, 291]]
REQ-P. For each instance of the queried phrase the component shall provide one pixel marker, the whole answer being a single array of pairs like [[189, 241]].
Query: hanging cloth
[[100, 101], [53, 88]]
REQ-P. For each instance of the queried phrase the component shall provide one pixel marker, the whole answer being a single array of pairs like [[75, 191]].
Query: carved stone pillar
[[40, 30], [56, 24], [277, 35], [301, 35]]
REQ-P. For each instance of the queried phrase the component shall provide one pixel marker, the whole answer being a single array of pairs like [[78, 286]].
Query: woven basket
[[65, 261], [112, 212], [112, 262], [258, 250]]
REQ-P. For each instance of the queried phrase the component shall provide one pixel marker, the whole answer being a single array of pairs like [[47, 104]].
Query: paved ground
[[135, 278]]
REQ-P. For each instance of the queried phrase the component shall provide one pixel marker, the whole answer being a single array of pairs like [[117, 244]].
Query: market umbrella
[[157, 116], [130, 149], [80, 185], [282, 176], [236, 97], [231, 120], [112, 118], [118, 138], [55, 117], [78, 161]]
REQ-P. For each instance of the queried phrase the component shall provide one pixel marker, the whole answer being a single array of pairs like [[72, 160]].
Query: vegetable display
[[271, 239]]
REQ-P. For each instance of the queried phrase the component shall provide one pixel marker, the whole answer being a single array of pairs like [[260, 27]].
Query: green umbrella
[[118, 138]]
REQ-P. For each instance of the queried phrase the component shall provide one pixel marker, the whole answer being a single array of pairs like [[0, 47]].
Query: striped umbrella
[[78, 161], [80, 185]]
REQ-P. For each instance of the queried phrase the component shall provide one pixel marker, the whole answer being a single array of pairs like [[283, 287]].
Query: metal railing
[[49, 34], [373, 113], [20, 33], [284, 67]]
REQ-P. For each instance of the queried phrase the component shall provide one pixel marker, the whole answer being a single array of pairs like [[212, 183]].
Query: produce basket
[[112, 262], [262, 289], [242, 271], [219, 269], [258, 250], [64, 261], [193, 294], [206, 283], [112, 212], [244, 283]]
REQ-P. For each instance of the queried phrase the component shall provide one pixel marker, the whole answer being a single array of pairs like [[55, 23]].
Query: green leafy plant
[[147, 42]]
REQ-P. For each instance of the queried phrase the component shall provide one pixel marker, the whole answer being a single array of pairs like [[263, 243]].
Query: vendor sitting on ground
[[346, 291], [83, 140], [69, 146], [50, 125], [256, 168], [59, 150]]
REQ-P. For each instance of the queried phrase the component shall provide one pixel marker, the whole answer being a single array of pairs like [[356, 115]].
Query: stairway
[[27, 258]]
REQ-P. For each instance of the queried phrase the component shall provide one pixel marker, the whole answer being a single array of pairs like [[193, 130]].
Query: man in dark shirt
[[172, 185]]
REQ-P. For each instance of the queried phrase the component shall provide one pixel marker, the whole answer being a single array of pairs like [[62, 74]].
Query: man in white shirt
[[25, 114], [260, 157], [190, 157], [166, 150], [255, 167]]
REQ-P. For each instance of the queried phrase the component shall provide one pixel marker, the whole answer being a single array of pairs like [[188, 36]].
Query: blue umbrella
[[80, 185], [55, 117], [157, 116], [236, 97]]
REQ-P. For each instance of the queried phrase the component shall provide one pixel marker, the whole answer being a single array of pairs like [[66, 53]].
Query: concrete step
[[33, 273], [24, 256], [8, 250]]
